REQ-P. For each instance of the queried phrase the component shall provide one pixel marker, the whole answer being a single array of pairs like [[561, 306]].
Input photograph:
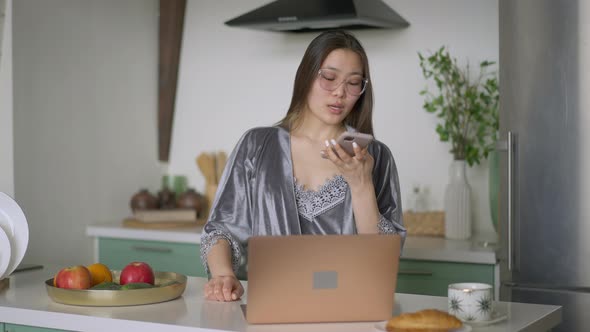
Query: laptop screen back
[[321, 278]]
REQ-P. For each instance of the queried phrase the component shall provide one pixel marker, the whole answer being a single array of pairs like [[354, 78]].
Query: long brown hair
[[361, 115]]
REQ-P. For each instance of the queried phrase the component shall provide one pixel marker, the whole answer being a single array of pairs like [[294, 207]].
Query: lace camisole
[[314, 208], [311, 204]]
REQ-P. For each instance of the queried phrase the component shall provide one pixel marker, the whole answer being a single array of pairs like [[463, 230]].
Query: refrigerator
[[544, 203]]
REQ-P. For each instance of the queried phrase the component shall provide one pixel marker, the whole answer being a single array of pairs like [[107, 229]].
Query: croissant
[[429, 320]]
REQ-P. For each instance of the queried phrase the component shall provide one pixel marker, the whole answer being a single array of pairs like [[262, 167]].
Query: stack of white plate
[[14, 235]]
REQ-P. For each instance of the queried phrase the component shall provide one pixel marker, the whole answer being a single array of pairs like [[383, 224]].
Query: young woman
[[294, 178]]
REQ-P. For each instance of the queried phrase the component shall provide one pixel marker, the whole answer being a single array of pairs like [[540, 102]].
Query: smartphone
[[345, 141]]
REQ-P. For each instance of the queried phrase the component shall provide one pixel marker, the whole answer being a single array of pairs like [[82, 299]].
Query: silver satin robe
[[256, 196]]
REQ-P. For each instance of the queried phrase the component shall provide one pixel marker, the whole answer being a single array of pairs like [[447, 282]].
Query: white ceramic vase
[[458, 203]]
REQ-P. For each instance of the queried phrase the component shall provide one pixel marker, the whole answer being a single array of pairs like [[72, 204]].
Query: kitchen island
[[427, 266], [415, 247], [26, 302]]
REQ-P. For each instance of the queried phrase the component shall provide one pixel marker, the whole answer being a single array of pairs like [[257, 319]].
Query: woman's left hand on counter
[[223, 288]]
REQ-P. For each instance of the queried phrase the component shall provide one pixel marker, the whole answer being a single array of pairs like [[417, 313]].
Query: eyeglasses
[[355, 84]]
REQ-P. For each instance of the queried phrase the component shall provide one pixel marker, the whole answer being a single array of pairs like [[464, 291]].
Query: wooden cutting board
[[134, 223]]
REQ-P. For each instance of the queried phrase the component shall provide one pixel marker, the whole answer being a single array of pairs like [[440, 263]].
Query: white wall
[[85, 108], [6, 132], [232, 79]]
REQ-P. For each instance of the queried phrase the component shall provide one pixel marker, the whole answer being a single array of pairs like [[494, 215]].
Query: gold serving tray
[[114, 298]]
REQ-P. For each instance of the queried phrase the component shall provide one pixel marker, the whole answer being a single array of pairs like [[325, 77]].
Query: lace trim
[[208, 240], [386, 226], [311, 203], [391, 227]]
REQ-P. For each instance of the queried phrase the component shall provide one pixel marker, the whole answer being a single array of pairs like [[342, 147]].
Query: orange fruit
[[100, 273]]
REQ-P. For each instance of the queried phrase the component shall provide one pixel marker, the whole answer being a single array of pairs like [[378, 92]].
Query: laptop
[[321, 278]]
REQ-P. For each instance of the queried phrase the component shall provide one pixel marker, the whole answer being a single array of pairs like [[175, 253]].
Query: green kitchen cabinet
[[433, 277], [25, 328], [176, 257]]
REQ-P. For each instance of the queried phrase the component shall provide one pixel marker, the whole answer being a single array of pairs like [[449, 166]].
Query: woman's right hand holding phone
[[356, 169]]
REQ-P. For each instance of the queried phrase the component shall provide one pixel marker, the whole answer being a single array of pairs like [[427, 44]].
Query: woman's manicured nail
[[333, 141], [327, 143], [355, 145]]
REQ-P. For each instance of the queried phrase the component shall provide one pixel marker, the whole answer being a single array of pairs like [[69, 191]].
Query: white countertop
[[421, 248], [26, 302]]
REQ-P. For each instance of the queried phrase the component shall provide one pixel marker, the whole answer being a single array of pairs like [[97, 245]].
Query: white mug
[[471, 301]]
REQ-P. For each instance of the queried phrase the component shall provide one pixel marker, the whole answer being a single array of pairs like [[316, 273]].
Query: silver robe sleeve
[[230, 212], [387, 191]]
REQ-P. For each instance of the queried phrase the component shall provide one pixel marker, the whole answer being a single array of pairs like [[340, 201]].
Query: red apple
[[73, 277], [137, 272]]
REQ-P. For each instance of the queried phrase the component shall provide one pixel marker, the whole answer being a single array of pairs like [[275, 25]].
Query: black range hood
[[317, 15]]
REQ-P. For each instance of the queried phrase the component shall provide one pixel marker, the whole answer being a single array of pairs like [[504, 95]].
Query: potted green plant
[[467, 106]]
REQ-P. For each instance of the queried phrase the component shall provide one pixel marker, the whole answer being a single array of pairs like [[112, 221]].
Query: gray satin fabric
[[256, 196]]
